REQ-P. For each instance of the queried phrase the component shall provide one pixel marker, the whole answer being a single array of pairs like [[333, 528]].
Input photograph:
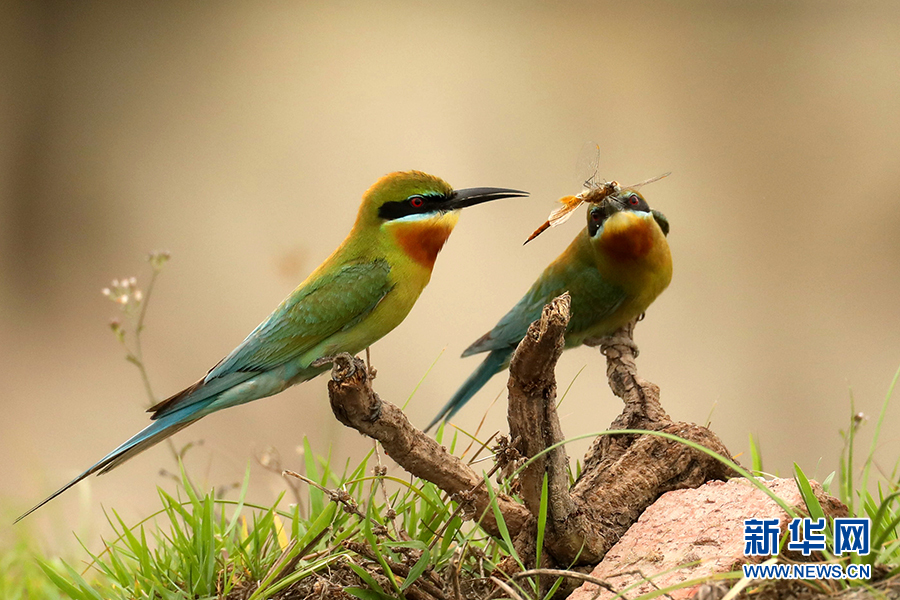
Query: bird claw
[[321, 362], [342, 365], [328, 360]]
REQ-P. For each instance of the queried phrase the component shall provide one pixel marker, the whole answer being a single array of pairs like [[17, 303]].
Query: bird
[[359, 294], [613, 270]]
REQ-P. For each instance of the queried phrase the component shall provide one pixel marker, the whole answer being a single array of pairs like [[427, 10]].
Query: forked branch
[[622, 475]]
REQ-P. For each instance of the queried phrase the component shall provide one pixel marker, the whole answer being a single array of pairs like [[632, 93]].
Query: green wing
[[593, 298], [330, 303]]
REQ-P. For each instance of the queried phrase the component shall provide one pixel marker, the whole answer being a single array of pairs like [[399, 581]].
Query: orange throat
[[423, 240], [628, 240]]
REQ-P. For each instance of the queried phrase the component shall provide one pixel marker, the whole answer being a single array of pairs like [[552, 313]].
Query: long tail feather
[[147, 437], [495, 362]]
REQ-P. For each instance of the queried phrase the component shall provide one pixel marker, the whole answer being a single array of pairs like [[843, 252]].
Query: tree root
[[623, 473]]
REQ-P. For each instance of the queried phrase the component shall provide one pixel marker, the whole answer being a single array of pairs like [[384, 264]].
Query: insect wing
[[646, 181], [562, 214], [558, 216], [587, 165]]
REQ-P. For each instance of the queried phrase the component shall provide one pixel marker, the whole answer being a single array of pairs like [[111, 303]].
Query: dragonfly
[[595, 191]]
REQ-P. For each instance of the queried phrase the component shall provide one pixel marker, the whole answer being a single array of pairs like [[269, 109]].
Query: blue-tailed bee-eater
[[360, 293], [613, 269]]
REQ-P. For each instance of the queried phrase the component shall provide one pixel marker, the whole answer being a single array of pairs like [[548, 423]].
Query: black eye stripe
[[635, 202], [596, 221], [413, 205]]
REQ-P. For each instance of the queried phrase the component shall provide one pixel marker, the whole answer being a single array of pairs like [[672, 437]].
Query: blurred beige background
[[240, 137]]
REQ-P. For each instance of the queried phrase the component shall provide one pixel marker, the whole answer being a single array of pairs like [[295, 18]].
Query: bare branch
[[356, 405]]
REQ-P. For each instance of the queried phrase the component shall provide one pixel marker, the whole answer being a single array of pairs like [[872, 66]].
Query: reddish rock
[[704, 526]]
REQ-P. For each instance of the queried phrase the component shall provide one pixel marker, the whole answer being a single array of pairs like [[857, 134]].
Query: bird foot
[[328, 360], [345, 366], [321, 362], [614, 341]]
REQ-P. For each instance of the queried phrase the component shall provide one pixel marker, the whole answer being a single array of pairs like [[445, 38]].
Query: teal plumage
[[304, 328], [613, 269]]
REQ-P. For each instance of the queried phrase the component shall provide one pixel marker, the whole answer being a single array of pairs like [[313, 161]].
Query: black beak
[[472, 196], [611, 205]]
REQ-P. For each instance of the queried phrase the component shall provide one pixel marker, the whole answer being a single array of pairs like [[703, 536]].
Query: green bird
[[613, 270], [360, 293]]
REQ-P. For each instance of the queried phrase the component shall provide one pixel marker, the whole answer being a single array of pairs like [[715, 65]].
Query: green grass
[[21, 577], [195, 547], [199, 546], [882, 504], [377, 537], [865, 490]]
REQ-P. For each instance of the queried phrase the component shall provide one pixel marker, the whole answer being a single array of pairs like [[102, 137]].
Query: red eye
[[416, 202], [633, 201]]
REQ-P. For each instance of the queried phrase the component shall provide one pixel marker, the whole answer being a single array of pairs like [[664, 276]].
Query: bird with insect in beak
[[360, 293], [613, 270]]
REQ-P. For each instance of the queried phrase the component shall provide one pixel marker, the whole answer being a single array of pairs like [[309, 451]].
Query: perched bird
[[612, 270], [360, 293]]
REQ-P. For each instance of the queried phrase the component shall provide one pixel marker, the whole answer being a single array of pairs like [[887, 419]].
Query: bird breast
[[632, 252]]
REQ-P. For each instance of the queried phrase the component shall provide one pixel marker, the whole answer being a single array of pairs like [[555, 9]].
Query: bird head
[[622, 209], [417, 196], [419, 210]]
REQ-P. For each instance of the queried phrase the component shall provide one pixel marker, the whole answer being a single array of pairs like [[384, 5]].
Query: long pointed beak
[[473, 196], [611, 205]]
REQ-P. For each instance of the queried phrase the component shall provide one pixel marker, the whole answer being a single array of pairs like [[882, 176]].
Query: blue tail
[[495, 362], [154, 433]]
